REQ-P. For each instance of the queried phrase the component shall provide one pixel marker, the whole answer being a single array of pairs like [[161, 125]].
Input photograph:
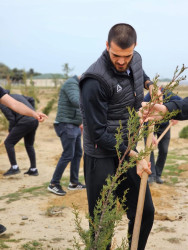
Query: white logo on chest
[[119, 88]]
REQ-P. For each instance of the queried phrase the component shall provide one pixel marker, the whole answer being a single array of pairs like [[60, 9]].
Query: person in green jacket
[[68, 124]]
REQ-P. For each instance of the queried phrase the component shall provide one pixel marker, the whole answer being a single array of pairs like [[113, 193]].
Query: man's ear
[[107, 46]]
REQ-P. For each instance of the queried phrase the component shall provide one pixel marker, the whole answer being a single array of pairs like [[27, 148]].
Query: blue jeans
[[70, 136]]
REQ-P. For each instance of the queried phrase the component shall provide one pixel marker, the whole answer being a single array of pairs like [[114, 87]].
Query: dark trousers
[[158, 166], [70, 136], [26, 131], [97, 170]]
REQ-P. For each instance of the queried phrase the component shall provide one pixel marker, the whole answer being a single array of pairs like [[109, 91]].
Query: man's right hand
[[143, 165], [39, 116], [156, 113]]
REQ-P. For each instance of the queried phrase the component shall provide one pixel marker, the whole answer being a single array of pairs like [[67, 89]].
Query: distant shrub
[[30, 90], [46, 110], [4, 122], [184, 133]]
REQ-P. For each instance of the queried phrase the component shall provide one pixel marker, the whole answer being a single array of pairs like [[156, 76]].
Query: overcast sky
[[45, 34]]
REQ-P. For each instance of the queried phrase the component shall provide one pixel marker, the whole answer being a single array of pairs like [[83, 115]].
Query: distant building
[[46, 80]]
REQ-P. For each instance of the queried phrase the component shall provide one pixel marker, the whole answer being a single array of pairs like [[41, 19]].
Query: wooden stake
[[142, 191], [141, 198], [164, 132]]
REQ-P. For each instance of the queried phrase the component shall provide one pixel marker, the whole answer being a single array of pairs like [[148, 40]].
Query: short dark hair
[[123, 35]]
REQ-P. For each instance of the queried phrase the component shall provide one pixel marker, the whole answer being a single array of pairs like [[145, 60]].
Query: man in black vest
[[114, 82]]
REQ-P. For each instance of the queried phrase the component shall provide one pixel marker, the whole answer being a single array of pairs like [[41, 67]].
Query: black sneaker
[[159, 180], [56, 189], [30, 172], [77, 186], [151, 179], [2, 229], [12, 171]]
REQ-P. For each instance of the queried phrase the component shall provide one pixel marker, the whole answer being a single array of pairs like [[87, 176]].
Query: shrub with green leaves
[[184, 133], [46, 110], [4, 122]]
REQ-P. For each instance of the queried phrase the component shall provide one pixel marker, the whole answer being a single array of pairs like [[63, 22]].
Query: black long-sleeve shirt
[[181, 105]]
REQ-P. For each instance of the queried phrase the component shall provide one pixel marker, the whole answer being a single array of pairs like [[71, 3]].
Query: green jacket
[[68, 105]]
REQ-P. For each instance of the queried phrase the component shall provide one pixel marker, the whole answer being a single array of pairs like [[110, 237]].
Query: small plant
[[46, 110], [30, 90], [55, 211], [4, 122], [184, 133], [32, 245], [9, 83], [174, 240], [3, 245]]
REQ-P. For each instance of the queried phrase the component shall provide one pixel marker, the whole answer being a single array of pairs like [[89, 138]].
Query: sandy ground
[[48, 219]]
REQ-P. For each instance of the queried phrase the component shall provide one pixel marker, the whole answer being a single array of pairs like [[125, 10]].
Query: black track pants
[[96, 170]]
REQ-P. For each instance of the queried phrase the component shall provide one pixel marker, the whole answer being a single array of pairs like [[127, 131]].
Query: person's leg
[[68, 143], [12, 139], [132, 183], [29, 139], [96, 170], [15, 135], [162, 152], [75, 163], [152, 176]]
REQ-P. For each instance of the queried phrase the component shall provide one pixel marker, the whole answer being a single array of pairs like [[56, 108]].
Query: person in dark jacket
[[158, 166], [18, 107], [20, 126], [68, 125], [115, 81]]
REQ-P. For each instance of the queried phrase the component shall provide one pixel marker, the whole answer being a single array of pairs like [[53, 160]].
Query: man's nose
[[121, 60]]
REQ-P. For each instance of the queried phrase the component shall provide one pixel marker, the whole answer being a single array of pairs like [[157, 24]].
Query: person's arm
[[21, 108], [148, 84], [159, 110], [181, 105], [72, 91]]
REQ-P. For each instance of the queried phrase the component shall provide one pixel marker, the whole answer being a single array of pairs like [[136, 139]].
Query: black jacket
[[15, 118]]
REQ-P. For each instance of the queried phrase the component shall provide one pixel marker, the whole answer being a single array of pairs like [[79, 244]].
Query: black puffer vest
[[124, 91]]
